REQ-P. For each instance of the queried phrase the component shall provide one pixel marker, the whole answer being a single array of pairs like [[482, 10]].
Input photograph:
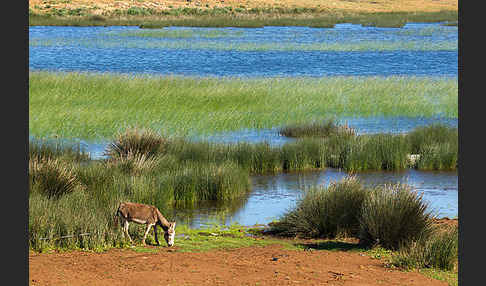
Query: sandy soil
[[98, 6], [270, 265]]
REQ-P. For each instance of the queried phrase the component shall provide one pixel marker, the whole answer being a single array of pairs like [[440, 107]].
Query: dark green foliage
[[325, 212], [436, 145], [52, 178], [440, 251], [315, 129], [393, 216], [135, 142], [430, 135], [377, 152]]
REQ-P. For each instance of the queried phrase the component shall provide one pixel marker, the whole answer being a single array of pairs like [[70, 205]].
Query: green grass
[[180, 34], [286, 45], [228, 17], [97, 106]]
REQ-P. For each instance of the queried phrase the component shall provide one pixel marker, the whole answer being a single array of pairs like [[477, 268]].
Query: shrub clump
[[135, 141], [325, 212], [52, 177], [393, 216], [438, 251], [316, 129]]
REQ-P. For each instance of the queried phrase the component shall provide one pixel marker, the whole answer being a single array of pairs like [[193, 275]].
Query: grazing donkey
[[145, 214]]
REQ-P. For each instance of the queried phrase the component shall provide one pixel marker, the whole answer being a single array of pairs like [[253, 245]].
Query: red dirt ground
[[270, 265]]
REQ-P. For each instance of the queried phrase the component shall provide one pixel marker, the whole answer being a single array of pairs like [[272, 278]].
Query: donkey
[[145, 214]]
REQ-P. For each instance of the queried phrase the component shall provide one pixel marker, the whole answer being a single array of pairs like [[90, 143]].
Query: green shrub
[[393, 216], [440, 251], [325, 212], [315, 129], [52, 178], [134, 142]]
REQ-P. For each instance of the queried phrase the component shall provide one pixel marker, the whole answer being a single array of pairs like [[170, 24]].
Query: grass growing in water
[[223, 17], [64, 103]]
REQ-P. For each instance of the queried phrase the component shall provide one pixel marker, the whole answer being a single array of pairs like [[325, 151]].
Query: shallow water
[[273, 195], [416, 49]]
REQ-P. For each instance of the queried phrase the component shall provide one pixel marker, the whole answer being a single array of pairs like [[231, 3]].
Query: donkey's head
[[169, 234]]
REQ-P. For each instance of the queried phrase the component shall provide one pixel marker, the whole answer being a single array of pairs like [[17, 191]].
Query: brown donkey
[[145, 214]]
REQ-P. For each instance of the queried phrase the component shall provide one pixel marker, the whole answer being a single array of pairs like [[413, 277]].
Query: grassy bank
[[97, 106], [232, 17]]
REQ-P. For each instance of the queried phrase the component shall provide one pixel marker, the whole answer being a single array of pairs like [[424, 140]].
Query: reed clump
[[436, 145], [325, 212], [134, 142], [316, 129], [52, 177], [393, 216], [440, 250]]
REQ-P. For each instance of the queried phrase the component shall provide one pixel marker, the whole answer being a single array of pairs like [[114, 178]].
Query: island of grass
[[234, 13]]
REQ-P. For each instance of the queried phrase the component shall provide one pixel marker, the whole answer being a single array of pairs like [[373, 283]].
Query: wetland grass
[[64, 103], [391, 216], [439, 251], [226, 17], [325, 212]]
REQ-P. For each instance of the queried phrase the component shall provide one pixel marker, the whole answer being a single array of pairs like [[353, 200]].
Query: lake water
[[415, 50]]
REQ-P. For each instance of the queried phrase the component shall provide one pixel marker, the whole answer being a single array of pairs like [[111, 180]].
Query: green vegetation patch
[[97, 106]]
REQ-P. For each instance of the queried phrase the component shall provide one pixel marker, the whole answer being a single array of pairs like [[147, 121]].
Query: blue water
[[347, 49]]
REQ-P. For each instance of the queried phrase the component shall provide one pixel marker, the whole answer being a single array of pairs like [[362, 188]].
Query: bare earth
[[98, 6], [269, 265]]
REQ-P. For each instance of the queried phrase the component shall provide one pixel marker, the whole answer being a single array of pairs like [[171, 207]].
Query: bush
[[315, 129], [393, 216], [52, 178], [438, 251], [325, 212], [135, 142]]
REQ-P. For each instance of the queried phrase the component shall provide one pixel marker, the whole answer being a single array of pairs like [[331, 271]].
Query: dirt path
[[270, 265]]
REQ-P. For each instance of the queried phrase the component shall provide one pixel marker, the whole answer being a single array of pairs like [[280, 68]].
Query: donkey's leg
[[149, 225], [125, 230], [155, 234]]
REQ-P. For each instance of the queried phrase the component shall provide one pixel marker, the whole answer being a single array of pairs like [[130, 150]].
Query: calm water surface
[[416, 49]]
